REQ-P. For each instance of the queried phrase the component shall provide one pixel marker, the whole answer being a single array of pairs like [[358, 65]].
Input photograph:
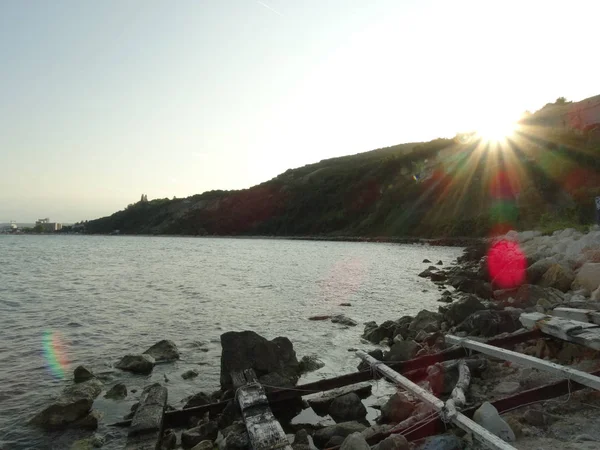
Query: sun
[[496, 131]]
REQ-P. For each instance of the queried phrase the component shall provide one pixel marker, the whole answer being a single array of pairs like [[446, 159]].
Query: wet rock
[[322, 403], [347, 407], [377, 354], [310, 363], [148, 417], [132, 411], [443, 442], [355, 441], [141, 364], [475, 286], [488, 323], [425, 274], [344, 320], [96, 441], [396, 409], [169, 440], [487, 416], [461, 309], [204, 445], [203, 432], [322, 436], [345, 304], [402, 351], [440, 263], [89, 422], [438, 276], [426, 261], [117, 392], [248, 350], [426, 321], [234, 437], [376, 334], [163, 351], [198, 399], [81, 374], [319, 318], [393, 442], [188, 374]]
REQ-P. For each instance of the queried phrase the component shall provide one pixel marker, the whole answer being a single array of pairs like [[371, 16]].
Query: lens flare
[[54, 352], [506, 264]]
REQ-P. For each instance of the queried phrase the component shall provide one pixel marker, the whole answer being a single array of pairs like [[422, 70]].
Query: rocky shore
[[558, 270]]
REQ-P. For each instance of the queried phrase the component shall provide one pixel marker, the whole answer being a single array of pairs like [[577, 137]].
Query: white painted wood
[[488, 439], [528, 361], [583, 333], [581, 315]]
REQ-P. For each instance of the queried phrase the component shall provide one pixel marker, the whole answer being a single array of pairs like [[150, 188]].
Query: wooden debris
[[458, 397], [481, 434], [145, 431], [582, 315], [583, 333], [527, 361]]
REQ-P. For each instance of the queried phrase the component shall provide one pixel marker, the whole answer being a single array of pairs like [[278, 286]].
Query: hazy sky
[[101, 101]]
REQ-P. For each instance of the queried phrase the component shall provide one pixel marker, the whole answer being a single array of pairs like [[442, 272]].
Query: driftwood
[[581, 315], [528, 361], [458, 397], [479, 433], [583, 333]]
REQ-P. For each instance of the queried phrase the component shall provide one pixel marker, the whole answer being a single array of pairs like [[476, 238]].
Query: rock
[[248, 350], [96, 441], [234, 437], [425, 320], [595, 296], [536, 271], [117, 392], [355, 441], [142, 364], [488, 323], [343, 320], [276, 380], [426, 261], [515, 426], [440, 263], [438, 276], [535, 417], [373, 430], [230, 414], [163, 351], [335, 441], [461, 309], [442, 442], [393, 442], [319, 318], [203, 432], [587, 278], [132, 411], [396, 409], [345, 304], [347, 407], [376, 334], [487, 416], [558, 277], [478, 287], [507, 388], [402, 351], [301, 441], [377, 354], [89, 422], [204, 445], [322, 436], [169, 440], [148, 417], [322, 403], [528, 295], [82, 373], [425, 274], [192, 373], [198, 399], [310, 363], [74, 404]]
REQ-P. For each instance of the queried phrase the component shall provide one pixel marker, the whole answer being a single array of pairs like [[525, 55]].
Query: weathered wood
[[582, 315], [481, 434], [528, 361], [583, 333], [458, 397], [146, 426]]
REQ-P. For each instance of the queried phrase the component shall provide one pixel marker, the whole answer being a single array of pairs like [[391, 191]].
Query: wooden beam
[[488, 439], [582, 315], [527, 361], [582, 333]]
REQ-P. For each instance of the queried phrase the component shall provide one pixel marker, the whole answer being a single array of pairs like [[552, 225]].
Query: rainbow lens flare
[[54, 353]]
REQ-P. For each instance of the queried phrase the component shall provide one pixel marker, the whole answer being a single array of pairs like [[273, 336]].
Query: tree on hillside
[[561, 101]]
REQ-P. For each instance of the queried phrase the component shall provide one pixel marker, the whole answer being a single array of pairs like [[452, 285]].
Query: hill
[[545, 176]]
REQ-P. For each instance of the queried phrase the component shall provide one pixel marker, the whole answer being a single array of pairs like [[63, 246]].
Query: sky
[[103, 101]]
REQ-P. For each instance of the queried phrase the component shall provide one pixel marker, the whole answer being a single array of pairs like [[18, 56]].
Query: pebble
[[507, 388]]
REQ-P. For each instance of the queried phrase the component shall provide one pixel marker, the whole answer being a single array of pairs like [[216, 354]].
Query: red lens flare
[[506, 264]]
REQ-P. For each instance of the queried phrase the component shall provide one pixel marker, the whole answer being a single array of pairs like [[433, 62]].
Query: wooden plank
[[581, 315], [479, 433], [582, 333], [527, 361]]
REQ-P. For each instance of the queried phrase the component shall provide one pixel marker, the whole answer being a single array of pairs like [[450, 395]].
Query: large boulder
[[376, 334], [163, 351], [203, 432], [402, 351], [81, 374], [355, 441], [321, 404], [322, 436], [473, 285], [310, 363], [536, 271], [558, 277], [488, 323], [460, 310], [248, 350], [402, 327], [142, 364], [199, 399], [588, 278], [396, 409], [73, 405], [425, 321], [347, 407]]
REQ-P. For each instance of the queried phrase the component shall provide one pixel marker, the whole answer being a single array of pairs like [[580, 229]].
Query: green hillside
[[542, 177]]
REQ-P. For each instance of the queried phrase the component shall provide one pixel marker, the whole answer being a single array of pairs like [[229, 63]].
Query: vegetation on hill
[[446, 187]]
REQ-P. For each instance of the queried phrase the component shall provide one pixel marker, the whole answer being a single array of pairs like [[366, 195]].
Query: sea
[[69, 300]]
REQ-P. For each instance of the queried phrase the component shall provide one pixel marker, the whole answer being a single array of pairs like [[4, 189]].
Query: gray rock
[[310, 363], [206, 431], [487, 323], [461, 309], [558, 277], [142, 364], [426, 321], [89, 422], [169, 440], [393, 442], [475, 286], [426, 261], [536, 271], [148, 415], [487, 416], [535, 417], [335, 441], [117, 392], [277, 380], [192, 373], [528, 295], [90, 443], [440, 263], [322, 436], [373, 430], [301, 438], [344, 320], [234, 437], [163, 351], [198, 399], [321, 404], [347, 407], [82, 373], [376, 334], [204, 445], [402, 351], [355, 441], [248, 350], [396, 409]]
